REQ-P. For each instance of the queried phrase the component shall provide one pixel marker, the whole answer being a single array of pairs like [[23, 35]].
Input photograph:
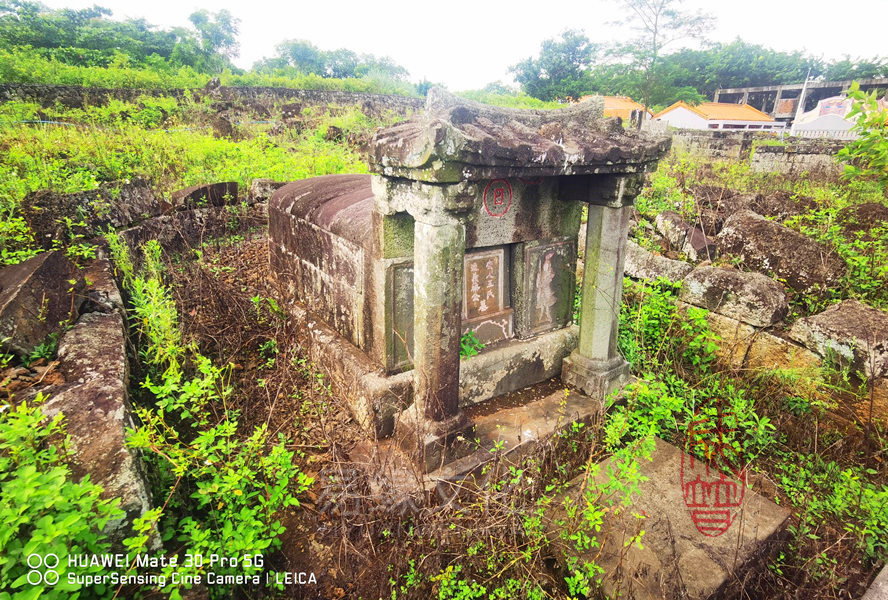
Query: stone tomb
[[470, 223]]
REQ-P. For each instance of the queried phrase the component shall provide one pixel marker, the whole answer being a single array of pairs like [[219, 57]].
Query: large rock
[[734, 337], [97, 412], [262, 189], [861, 219], [748, 297], [684, 237], [210, 194], [55, 217], [850, 331], [768, 247], [37, 297], [641, 264], [718, 203], [772, 352]]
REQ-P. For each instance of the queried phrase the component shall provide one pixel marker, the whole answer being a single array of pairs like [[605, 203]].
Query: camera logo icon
[[36, 563]]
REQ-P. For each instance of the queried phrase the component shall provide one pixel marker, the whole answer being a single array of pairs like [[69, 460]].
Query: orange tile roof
[[721, 111], [618, 106]]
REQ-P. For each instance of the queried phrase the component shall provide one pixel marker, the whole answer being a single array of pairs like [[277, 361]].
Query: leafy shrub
[[43, 510], [226, 492]]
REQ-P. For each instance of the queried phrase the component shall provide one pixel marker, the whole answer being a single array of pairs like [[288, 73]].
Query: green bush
[[43, 510]]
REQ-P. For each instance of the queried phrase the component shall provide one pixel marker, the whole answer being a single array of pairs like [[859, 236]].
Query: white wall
[[684, 119]]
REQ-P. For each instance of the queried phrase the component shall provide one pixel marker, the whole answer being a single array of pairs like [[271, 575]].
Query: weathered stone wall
[[77, 96], [799, 156], [792, 155]]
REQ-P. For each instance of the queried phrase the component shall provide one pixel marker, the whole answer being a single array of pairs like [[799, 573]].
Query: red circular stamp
[[713, 478], [497, 197]]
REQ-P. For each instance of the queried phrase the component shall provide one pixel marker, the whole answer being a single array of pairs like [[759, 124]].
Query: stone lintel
[[595, 378], [614, 191]]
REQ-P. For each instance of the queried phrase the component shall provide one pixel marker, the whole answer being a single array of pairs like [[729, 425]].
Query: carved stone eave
[[459, 140]]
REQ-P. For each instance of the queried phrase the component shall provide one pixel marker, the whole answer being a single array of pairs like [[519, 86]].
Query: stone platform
[[683, 555]]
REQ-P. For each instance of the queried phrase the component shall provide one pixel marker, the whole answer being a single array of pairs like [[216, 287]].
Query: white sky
[[467, 44]]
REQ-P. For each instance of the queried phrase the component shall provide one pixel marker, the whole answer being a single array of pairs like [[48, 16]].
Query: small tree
[[658, 23], [561, 71], [867, 156]]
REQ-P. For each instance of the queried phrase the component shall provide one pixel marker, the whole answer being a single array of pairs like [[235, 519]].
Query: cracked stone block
[[642, 264], [37, 297], [850, 331], [210, 194], [704, 531], [768, 247], [684, 237], [749, 297], [97, 412]]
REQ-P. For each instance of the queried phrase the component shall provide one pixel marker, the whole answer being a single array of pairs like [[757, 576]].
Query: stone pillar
[[431, 425], [437, 308], [745, 99], [596, 367]]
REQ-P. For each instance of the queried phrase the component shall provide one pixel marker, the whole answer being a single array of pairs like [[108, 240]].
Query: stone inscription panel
[[549, 285], [483, 283]]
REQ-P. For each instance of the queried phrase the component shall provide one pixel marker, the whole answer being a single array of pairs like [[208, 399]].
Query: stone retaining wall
[[77, 96], [764, 151]]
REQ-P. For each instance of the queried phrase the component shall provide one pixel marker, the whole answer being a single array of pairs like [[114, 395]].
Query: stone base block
[[693, 548], [374, 398], [432, 444], [594, 378]]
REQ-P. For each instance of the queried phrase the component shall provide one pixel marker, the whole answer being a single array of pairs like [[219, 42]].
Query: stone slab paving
[[879, 588], [683, 555]]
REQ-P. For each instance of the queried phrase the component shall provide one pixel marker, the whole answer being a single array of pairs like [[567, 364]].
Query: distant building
[[620, 106], [716, 115], [828, 119]]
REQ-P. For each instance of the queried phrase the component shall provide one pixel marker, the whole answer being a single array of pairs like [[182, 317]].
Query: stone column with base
[[430, 425], [596, 366]]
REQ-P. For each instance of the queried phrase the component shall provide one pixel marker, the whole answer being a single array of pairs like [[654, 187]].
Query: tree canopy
[[305, 57], [88, 37], [692, 75]]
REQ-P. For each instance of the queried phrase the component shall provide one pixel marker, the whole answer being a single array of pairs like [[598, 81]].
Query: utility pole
[[801, 104]]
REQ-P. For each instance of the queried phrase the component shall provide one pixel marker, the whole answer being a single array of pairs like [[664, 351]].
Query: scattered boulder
[[748, 297], [291, 111], [334, 134], [718, 203], [37, 298], [735, 337], [641, 264], [768, 247], [222, 127], [262, 189], [782, 204], [97, 412], [88, 212], [862, 219], [686, 238], [210, 194], [851, 331]]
